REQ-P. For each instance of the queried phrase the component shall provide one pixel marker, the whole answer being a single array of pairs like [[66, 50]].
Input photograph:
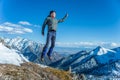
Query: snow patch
[[8, 56]]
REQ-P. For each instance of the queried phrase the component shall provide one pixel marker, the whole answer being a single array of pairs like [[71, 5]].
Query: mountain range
[[31, 50], [99, 61]]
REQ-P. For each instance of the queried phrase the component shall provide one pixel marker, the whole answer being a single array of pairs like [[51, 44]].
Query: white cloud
[[24, 23], [114, 44], [17, 32], [10, 24], [11, 28], [76, 44], [37, 26], [27, 30], [88, 44], [3, 28]]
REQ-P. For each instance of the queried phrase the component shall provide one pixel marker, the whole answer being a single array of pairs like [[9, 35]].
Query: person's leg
[[46, 45], [52, 44]]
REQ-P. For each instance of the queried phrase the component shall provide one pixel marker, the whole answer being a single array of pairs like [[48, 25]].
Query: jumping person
[[51, 22]]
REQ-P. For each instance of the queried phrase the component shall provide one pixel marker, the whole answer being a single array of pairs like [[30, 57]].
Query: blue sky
[[88, 21]]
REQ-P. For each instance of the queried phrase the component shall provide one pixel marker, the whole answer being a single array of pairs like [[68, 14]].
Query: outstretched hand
[[42, 33], [66, 15]]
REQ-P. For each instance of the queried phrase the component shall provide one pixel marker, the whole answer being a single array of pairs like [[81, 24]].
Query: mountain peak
[[99, 47], [31, 50], [101, 50]]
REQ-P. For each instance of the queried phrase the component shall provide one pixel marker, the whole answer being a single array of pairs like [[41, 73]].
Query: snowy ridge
[[9, 56], [31, 50], [25, 47], [105, 56]]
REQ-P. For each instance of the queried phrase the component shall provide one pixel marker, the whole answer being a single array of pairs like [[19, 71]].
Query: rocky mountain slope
[[31, 71]]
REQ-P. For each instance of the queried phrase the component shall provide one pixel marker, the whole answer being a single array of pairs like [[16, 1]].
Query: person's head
[[52, 14]]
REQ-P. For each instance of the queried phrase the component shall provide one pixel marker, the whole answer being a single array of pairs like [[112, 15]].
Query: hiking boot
[[42, 59], [49, 57]]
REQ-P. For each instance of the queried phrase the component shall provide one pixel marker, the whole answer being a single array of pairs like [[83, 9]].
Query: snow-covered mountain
[[100, 61], [29, 49], [9, 56]]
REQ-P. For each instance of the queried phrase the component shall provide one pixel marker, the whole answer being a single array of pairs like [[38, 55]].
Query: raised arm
[[63, 19], [43, 26]]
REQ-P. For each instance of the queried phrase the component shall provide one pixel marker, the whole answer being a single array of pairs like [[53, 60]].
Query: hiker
[[51, 22]]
